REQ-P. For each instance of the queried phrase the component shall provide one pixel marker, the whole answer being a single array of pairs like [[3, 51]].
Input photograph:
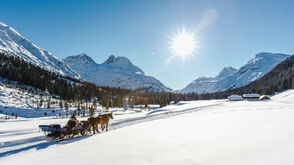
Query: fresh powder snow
[[191, 132]]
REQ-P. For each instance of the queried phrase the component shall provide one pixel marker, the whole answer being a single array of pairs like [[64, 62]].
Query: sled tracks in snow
[[154, 115], [39, 142]]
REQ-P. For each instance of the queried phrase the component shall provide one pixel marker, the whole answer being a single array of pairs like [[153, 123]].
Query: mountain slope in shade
[[12, 43], [114, 72], [255, 68]]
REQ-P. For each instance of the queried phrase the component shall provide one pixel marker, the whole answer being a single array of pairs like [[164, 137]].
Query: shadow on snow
[[39, 146]]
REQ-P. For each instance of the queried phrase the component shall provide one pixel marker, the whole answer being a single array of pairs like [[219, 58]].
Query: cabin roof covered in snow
[[235, 97], [264, 97], [252, 95]]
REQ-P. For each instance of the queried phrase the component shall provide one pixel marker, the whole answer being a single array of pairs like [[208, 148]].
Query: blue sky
[[229, 32]]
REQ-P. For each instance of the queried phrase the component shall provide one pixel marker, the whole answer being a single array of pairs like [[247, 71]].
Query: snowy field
[[196, 132]]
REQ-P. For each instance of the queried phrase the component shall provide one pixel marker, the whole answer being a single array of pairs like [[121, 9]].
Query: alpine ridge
[[114, 72], [230, 78], [12, 43]]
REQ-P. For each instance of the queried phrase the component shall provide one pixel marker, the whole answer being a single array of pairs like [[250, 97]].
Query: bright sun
[[183, 44]]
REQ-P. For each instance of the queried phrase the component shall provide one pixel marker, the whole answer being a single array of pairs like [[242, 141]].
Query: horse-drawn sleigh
[[75, 128], [56, 132]]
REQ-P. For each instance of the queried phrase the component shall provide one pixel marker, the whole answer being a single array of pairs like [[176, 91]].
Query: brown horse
[[101, 120], [98, 120], [105, 120], [86, 125], [92, 123]]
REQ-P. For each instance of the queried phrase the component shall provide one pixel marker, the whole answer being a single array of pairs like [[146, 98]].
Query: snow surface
[[233, 78], [192, 132], [25, 104], [114, 72], [12, 43]]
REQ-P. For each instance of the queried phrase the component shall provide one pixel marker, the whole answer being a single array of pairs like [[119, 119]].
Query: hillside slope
[[12, 43]]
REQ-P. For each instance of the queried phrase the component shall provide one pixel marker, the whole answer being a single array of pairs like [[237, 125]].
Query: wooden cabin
[[264, 97]]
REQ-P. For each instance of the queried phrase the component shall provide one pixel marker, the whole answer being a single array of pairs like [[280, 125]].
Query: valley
[[194, 131]]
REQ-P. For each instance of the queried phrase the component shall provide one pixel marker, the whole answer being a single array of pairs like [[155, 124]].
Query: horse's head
[[110, 115]]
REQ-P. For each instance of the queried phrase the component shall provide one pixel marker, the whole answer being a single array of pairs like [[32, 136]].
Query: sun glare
[[183, 44]]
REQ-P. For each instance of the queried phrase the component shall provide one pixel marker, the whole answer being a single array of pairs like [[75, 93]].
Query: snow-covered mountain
[[232, 78], [206, 84], [114, 72], [12, 43]]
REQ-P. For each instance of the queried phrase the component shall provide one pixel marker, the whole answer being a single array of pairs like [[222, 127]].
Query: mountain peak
[[226, 71], [269, 54], [80, 58], [115, 72], [230, 78], [266, 58], [3, 24], [112, 59], [9, 30]]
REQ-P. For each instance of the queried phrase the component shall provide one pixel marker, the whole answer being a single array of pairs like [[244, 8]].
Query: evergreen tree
[[79, 108], [92, 111], [49, 102], [66, 108], [41, 102], [84, 111], [60, 104], [146, 103], [94, 103]]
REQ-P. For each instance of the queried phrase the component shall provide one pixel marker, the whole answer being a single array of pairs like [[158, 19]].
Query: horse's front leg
[[106, 126], [97, 128], [93, 127]]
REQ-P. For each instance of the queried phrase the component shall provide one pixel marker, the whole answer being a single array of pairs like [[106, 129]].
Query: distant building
[[150, 106], [264, 97], [235, 98], [125, 103], [252, 96], [153, 106]]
